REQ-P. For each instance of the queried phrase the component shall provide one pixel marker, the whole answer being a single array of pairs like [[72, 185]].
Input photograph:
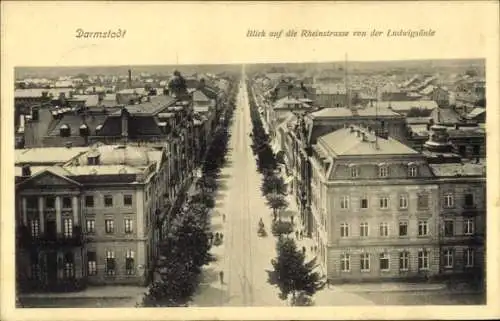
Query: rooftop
[[47, 155], [133, 156], [407, 105], [155, 105], [350, 142], [346, 112]]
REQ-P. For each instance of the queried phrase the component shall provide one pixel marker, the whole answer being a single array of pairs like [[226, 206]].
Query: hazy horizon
[[167, 69]]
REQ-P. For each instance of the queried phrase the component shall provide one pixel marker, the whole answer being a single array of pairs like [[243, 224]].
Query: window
[[108, 201], [127, 200], [449, 228], [423, 201], [468, 226], [469, 258], [50, 202], [345, 262], [66, 202], [364, 203], [384, 229], [383, 171], [403, 201], [384, 202], [363, 229], [90, 224], [449, 201], [344, 202], [354, 172], [423, 228], [110, 263], [92, 263], [129, 225], [129, 262], [403, 228], [448, 259], [404, 260], [344, 230], [35, 228], [110, 226], [423, 260], [69, 267], [384, 262], [89, 201], [35, 266], [469, 200], [365, 262], [412, 171], [68, 227]]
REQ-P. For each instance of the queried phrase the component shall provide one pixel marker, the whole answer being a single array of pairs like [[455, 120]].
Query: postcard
[[249, 160]]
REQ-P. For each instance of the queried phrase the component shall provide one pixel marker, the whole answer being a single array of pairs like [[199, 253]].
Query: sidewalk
[[96, 292]]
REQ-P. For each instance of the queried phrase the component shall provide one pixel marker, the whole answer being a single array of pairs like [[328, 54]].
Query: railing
[[28, 240]]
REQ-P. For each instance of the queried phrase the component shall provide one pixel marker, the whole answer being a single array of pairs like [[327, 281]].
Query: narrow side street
[[243, 257]]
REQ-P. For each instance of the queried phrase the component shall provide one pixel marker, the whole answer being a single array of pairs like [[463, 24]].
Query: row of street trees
[[185, 250], [295, 277]]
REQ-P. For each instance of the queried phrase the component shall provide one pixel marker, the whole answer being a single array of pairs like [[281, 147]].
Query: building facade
[[92, 219], [380, 210]]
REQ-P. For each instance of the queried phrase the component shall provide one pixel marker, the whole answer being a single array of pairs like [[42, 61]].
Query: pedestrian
[[304, 250], [291, 219], [217, 235], [301, 235], [297, 235], [315, 248], [221, 237], [221, 275], [224, 218]]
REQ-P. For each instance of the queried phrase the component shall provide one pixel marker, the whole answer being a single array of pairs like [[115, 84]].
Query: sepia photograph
[[340, 181], [255, 185]]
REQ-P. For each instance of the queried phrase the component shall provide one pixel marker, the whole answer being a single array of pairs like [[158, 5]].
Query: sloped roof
[[346, 112], [343, 142], [453, 170], [407, 105]]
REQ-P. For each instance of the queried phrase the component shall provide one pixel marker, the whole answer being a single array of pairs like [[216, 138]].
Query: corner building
[[90, 219], [374, 208]]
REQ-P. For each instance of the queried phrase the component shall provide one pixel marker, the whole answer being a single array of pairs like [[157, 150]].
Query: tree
[[281, 227], [185, 250], [273, 184], [204, 199], [276, 202], [292, 275]]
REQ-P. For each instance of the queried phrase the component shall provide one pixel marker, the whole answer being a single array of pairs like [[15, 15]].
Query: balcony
[[50, 239]]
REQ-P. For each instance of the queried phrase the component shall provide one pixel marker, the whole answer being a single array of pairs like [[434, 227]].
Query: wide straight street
[[243, 257]]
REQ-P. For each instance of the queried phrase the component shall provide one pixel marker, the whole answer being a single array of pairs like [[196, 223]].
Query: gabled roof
[[54, 171]]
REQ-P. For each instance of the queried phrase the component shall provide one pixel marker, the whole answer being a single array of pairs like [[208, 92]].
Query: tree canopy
[[291, 274]]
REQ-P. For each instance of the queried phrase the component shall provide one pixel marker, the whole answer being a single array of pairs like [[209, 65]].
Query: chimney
[[365, 139], [26, 171], [457, 126], [358, 132], [124, 119], [129, 78]]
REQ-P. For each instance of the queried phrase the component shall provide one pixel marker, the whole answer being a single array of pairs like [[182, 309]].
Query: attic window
[[93, 159], [383, 170], [65, 131], [412, 170]]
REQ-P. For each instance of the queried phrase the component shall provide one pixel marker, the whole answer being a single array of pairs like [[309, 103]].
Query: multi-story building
[[381, 210], [374, 211], [88, 215], [300, 134]]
